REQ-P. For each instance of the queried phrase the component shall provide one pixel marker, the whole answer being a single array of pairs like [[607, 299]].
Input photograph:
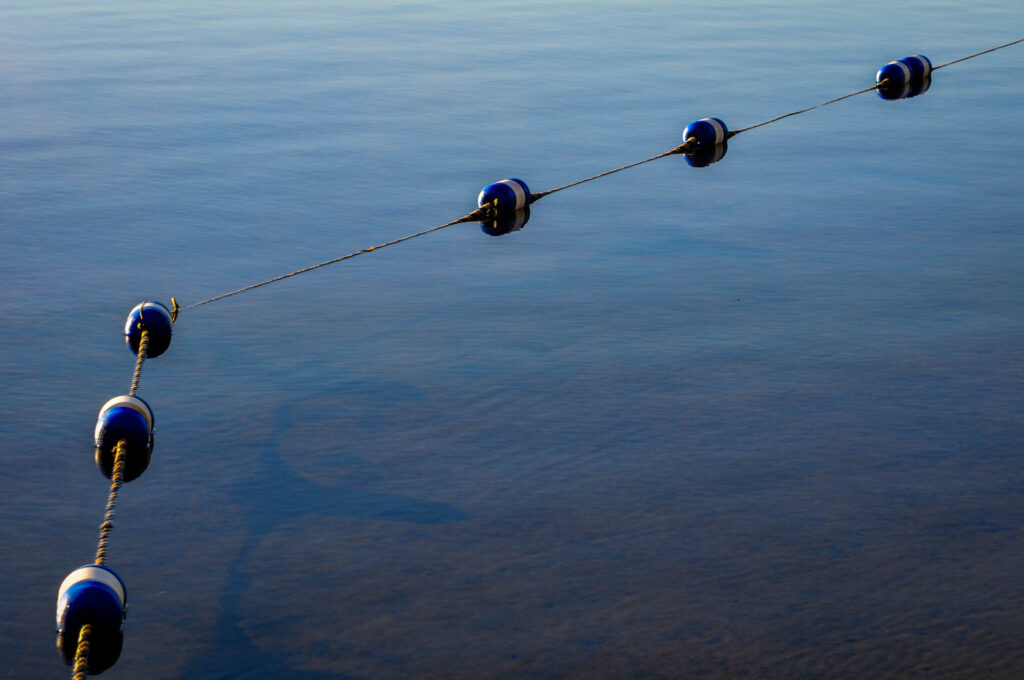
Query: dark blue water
[[761, 419]]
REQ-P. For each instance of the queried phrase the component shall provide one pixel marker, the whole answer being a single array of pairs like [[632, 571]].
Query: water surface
[[761, 419]]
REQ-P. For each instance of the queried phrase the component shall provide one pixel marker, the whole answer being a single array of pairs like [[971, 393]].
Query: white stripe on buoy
[[130, 402], [93, 572], [719, 131], [518, 189], [926, 66]]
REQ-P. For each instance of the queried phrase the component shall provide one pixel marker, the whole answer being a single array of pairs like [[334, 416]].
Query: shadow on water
[[703, 157], [276, 496], [506, 223], [906, 90]]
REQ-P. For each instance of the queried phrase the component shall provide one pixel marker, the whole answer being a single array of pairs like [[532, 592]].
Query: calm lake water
[[757, 420]]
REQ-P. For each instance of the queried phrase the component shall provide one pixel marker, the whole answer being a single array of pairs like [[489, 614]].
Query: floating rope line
[[480, 213], [682, 148], [91, 600], [689, 145], [869, 89], [809, 108]]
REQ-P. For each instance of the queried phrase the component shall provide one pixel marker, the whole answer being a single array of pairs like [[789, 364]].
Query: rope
[[477, 214], [81, 665], [143, 348], [682, 148], [976, 54], [809, 108], [116, 478]]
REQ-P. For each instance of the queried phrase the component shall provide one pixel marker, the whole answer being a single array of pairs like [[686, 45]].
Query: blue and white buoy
[[511, 194], [912, 69], [154, 318], [706, 132], [94, 595], [130, 419]]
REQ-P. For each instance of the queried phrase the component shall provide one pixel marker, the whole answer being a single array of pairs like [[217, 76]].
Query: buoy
[[511, 194], [906, 91], [706, 132], [154, 318], [906, 70], [94, 595], [506, 223], [130, 419], [704, 156]]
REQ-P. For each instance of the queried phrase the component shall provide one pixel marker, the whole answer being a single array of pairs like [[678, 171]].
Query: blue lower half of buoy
[[507, 195]]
